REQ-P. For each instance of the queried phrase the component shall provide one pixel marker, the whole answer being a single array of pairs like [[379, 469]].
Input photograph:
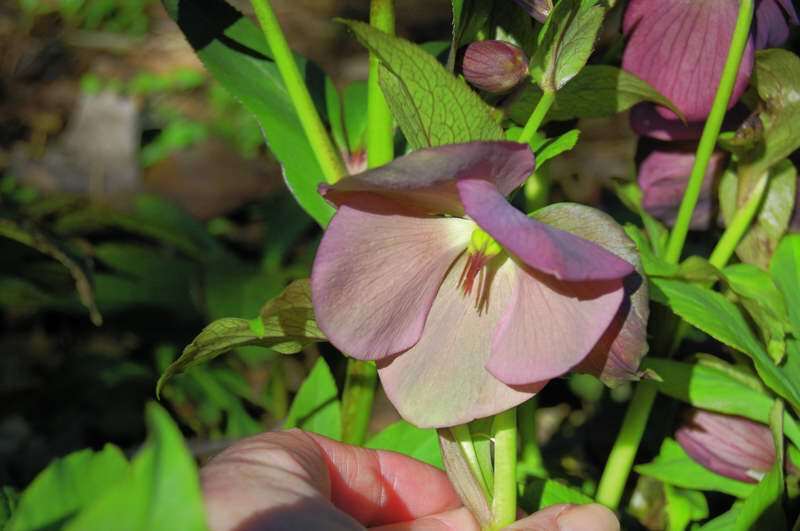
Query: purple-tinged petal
[[376, 275], [647, 120], [550, 326], [538, 9], [543, 248], [680, 47], [426, 178], [617, 354], [732, 446], [663, 176], [442, 381], [771, 27]]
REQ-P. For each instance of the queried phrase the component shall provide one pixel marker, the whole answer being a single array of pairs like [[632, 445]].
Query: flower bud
[[494, 66], [538, 9], [731, 446]]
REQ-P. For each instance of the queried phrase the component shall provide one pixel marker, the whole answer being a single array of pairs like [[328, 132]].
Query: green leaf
[[9, 498], [720, 388], [286, 324], [683, 507], [762, 508], [785, 270], [316, 407], [543, 493], [48, 245], [432, 107], [548, 148], [161, 492], [565, 42], [355, 115], [674, 467], [66, 486], [469, 17], [234, 51], [407, 439], [724, 522], [718, 317], [597, 91]]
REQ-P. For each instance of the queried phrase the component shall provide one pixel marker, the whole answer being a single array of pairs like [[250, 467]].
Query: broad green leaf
[[543, 493], [407, 439], [674, 467], [683, 507], [67, 486], [548, 148], [597, 91], [316, 407], [718, 317], [432, 107], [565, 42], [762, 508], [655, 242], [161, 492], [286, 324], [724, 522], [716, 389], [235, 53], [49, 245], [785, 270]]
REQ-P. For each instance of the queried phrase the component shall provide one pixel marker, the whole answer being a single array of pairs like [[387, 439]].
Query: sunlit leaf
[[316, 407], [407, 439]]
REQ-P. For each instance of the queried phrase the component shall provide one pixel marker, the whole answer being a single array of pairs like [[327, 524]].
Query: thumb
[[569, 518]]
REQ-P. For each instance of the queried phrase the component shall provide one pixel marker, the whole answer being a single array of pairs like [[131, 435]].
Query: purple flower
[[538, 9], [663, 177], [680, 47], [494, 66], [467, 305], [731, 446]]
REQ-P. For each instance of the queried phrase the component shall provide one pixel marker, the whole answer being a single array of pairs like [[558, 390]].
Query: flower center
[[481, 250]]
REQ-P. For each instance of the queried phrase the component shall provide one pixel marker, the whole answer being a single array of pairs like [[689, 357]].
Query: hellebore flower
[[467, 305], [538, 9], [731, 446], [680, 47], [663, 177], [494, 66]]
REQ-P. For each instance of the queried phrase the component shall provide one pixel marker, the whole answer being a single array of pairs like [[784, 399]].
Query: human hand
[[294, 480]]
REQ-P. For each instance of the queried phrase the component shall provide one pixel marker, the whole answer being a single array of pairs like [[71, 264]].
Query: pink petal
[[544, 248], [426, 178], [680, 47], [550, 326], [375, 276], [442, 381], [772, 28], [647, 120], [617, 354]]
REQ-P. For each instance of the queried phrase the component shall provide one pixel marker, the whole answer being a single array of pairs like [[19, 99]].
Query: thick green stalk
[[504, 500], [362, 377], [328, 158], [620, 460], [710, 132], [738, 226], [357, 399], [380, 126], [537, 117], [463, 436]]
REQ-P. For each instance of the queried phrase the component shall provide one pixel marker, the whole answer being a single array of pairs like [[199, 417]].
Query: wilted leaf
[[286, 325]]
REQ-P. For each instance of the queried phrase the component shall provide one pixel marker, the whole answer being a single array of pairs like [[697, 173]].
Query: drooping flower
[[494, 66], [680, 47], [731, 446], [467, 305], [663, 177]]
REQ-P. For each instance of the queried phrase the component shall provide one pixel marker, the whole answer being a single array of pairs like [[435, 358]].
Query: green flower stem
[[359, 393], [362, 377], [328, 158], [504, 501], [620, 460], [710, 132], [463, 437], [537, 117], [531, 462], [738, 226], [380, 126]]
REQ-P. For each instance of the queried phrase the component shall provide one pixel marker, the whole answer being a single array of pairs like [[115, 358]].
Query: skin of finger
[[456, 520], [569, 518], [271, 481], [379, 487]]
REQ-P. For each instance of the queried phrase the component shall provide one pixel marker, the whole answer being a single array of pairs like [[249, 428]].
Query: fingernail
[[585, 517]]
